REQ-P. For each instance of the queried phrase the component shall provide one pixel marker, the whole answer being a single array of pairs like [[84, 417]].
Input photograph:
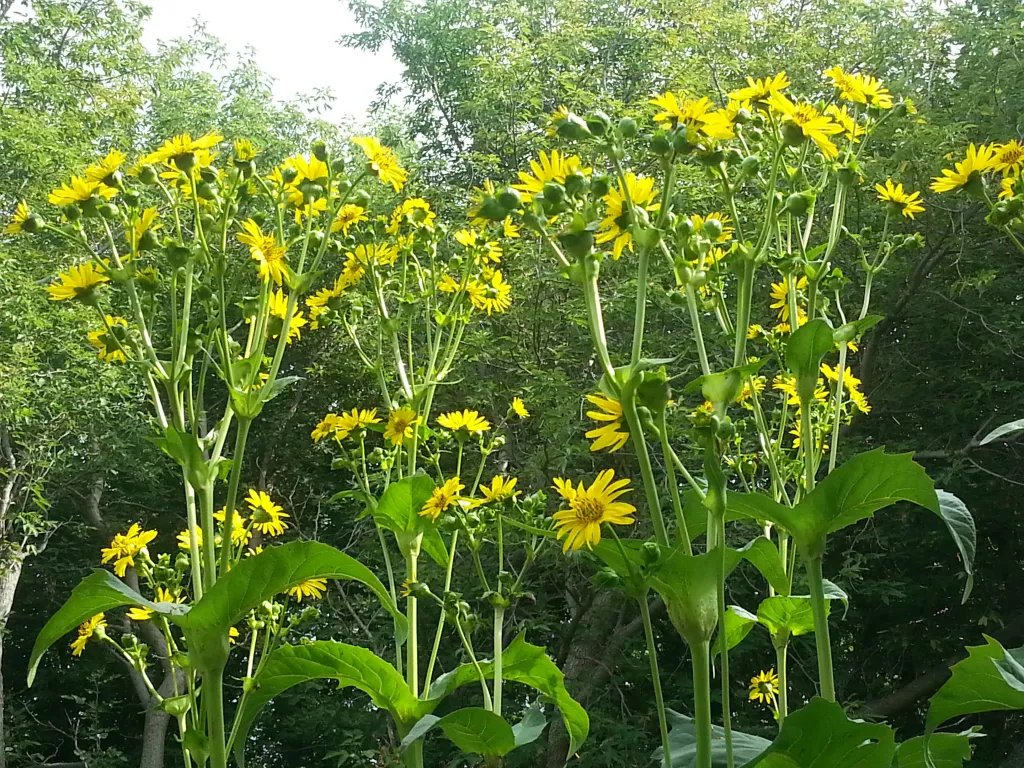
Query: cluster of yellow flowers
[[1005, 159]]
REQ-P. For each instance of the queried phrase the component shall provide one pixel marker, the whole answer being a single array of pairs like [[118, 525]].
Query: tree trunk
[[154, 733], [10, 573]]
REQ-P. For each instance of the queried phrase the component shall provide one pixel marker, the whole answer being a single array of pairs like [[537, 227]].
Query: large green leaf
[[738, 623], [946, 750], [350, 665], [682, 742], [787, 614], [689, 586], [263, 576], [472, 729], [821, 736], [529, 729], [990, 679], [98, 592], [763, 555], [527, 664], [398, 511], [961, 527], [804, 352]]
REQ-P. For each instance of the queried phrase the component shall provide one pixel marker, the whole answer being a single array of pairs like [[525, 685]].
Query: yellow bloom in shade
[[787, 384], [780, 292], [245, 150], [978, 160], [125, 546], [589, 508], [265, 250], [233, 633], [374, 253], [490, 295], [852, 130], [400, 425], [349, 215], [267, 516], [185, 539], [812, 124], [101, 170], [610, 435], [80, 190], [327, 298], [21, 215], [145, 222], [383, 162], [182, 145], [519, 408], [615, 224], [500, 489], [240, 533], [908, 203], [556, 117], [311, 169], [851, 383], [111, 348], [415, 209], [93, 626], [163, 595], [470, 421], [761, 90], [313, 209], [553, 167], [325, 428], [354, 420], [1006, 187], [442, 497], [311, 588], [1009, 158], [764, 687], [727, 231], [278, 310], [77, 283], [510, 229]]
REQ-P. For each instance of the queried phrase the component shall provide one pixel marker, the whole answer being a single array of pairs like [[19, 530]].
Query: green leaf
[[820, 734], [527, 664], [1005, 430], [689, 586], [398, 511], [738, 623], [850, 331], [98, 592], [764, 555], [787, 614], [471, 729], [350, 665], [529, 729], [631, 568], [185, 449], [804, 352], [958, 520], [263, 576], [946, 750], [682, 742], [990, 679], [280, 385]]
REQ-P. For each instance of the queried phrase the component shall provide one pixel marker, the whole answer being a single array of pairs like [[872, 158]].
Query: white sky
[[296, 43]]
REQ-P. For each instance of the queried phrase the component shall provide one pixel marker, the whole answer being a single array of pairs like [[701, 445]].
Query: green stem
[[476, 665], [743, 301], [499, 628], [821, 636], [412, 665], [644, 458], [391, 589], [841, 373], [652, 654], [726, 706], [209, 535], [213, 697], [597, 324], [691, 305], [229, 504], [673, 485], [781, 652], [807, 445], [195, 560], [700, 659], [441, 619]]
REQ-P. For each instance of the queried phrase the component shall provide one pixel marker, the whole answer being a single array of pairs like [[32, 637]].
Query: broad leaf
[[990, 679], [398, 511], [1006, 430], [185, 449], [804, 352], [961, 527], [787, 614], [529, 729], [472, 729], [764, 555], [820, 735], [738, 623], [689, 586], [682, 742], [946, 750]]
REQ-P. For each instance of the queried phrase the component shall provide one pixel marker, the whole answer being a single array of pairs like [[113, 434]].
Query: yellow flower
[[873, 92], [746, 394], [470, 421], [354, 420], [375, 253], [589, 508], [245, 150], [448, 284], [145, 222], [312, 588], [761, 90], [978, 160], [233, 633], [851, 383], [780, 292], [325, 428], [548, 168], [163, 595], [267, 516], [615, 225], [185, 539], [182, 145], [1009, 158], [442, 497], [676, 110], [510, 229], [610, 434], [80, 190], [764, 687], [852, 130], [753, 331], [312, 169], [111, 348], [812, 124], [383, 162], [415, 209], [77, 283], [559, 115], [326, 298], [278, 310], [491, 295], [500, 489], [400, 424], [846, 83], [21, 215], [108, 165], [125, 546], [349, 215], [519, 408], [240, 533], [477, 195], [93, 626], [787, 384], [907, 203], [727, 231], [264, 249], [1006, 187]]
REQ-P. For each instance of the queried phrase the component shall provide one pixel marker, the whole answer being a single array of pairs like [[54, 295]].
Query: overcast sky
[[295, 42]]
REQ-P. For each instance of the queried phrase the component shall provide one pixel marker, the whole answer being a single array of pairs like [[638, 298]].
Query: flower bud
[[130, 198], [750, 165], [712, 229], [148, 175], [209, 223], [573, 127], [627, 127], [492, 209], [35, 223], [743, 116], [598, 123], [650, 551], [289, 174], [319, 150], [107, 211], [338, 165], [660, 144], [510, 199], [72, 212], [900, 109], [293, 231], [554, 192], [206, 191], [797, 204], [148, 241], [361, 198], [792, 134], [575, 184], [599, 185], [578, 244], [606, 578]]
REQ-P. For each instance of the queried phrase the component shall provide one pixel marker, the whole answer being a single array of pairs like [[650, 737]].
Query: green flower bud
[[107, 211], [259, 217], [316, 239], [750, 165], [289, 174], [130, 199], [598, 123], [209, 223], [575, 184], [651, 552], [599, 185], [577, 244], [492, 209], [712, 229], [361, 198], [792, 134], [733, 157], [34, 223], [184, 162], [677, 298], [319, 150], [72, 213], [797, 204], [606, 578], [554, 192], [743, 116], [660, 144], [532, 221], [343, 186], [148, 241], [206, 191], [338, 165], [627, 127], [510, 199], [148, 175], [573, 127]]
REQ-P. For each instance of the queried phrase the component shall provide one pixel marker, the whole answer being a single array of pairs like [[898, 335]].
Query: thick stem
[[673, 485], [499, 628], [781, 653], [659, 699], [821, 636], [391, 589], [643, 457], [209, 535], [411, 663], [213, 697], [226, 548], [596, 324], [195, 560], [807, 444], [700, 659], [726, 705], [641, 304]]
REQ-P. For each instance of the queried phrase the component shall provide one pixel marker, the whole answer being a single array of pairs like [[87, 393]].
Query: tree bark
[[10, 573]]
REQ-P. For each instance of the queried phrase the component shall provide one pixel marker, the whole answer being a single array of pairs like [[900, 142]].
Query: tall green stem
[[411, 664], [652, 654], [673, 485], [209, 535], [213, 698], [441, 619], [726, 703], [821, 636], [644, 458], [781, 653], [229, 504], [700, 659], [499, 627]]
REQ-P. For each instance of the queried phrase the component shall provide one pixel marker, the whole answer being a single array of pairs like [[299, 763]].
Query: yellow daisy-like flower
[[327, 298], [556, 117], [852, 130], [325, 428], [500, 489], [93, 626], [610, 435], [1006, 187], [846, 83], [977, 161], [278, 310], [415, 209], [490, 295], [615, 224], [780, 292], [111, 348], [519, 408], [746, 394], [179, 146], [907, 203], [267, 516], [383, 162], [125, 546], [78, 282], [589, 508], [80, 190], [311, 588], [245, 150], [448, 284], [1009, 158], [265, 250], [442, 497], [311, 169], [349, 215], [400, 425], [676, 110], [185, 539], [874, 93], [553, 167], [240, 533], [727, 231], [470, 421], [145, 222], [787, 384], [374, 253], [163, 595], [354, 420], [761, 90], [17, 223], [764, 687], [852, 385], [105, 167], [812, 124]]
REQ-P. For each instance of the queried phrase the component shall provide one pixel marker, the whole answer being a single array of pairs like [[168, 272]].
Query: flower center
[[588, 510]]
